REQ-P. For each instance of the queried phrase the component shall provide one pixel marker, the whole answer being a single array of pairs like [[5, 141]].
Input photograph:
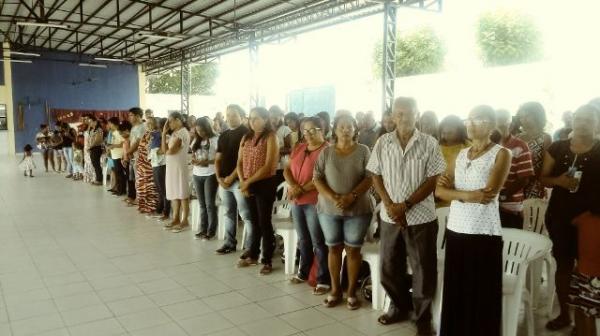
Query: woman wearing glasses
[[303, 193], [472, 302]]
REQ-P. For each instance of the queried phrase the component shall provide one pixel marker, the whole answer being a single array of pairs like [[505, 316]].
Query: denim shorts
[[344, 230]]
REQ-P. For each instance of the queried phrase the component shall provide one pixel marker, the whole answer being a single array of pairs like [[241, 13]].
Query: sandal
[[558, 324], [321, 290], [180, 228], [296, 280], [352, 303], [332, 301], [386, 319]]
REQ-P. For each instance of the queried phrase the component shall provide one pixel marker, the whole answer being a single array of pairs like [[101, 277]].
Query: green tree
[[506, 38], [419, 51], [203, 80]]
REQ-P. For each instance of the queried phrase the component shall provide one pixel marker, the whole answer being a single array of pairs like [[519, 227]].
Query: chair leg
[[220, 226], [290, 251], [377, 291], [551, 286], [529, 314]]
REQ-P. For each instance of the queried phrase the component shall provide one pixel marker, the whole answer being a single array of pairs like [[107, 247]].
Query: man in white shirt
[[138, 128], [405, 165]]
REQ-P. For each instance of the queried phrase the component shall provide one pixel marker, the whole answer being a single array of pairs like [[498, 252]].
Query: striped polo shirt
[[521, 167]]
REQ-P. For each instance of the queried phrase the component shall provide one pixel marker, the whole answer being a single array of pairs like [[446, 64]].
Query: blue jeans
[[233, 202], [68, 151], [206, 191], [311, 242], [344, 230]]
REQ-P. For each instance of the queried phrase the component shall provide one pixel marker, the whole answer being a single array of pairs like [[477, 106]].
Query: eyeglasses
[[311, 131], [475, 121]]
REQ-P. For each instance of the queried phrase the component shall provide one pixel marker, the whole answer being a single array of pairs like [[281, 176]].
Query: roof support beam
[[389, 55]]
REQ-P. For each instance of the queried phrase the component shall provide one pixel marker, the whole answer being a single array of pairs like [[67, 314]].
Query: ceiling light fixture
[[20, 61], [21, 53], [107, 59], [41, 24], [92, 65], [163, 36]]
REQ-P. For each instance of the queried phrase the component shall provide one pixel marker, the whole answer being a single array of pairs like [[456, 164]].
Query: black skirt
[[472, 299]]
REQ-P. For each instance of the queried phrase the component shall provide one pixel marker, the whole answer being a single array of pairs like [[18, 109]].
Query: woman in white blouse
[[472, 301]]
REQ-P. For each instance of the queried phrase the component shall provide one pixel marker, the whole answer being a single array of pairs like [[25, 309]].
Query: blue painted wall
[[58, 80], [311, 101]]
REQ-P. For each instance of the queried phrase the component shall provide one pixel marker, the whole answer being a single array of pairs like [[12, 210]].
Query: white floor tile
[[245, 314], [170, 329], [187, 309], [85, 315], [269, 327], [108, 327], [77, 301], [205, 324], [307, 319], [226, 301], [144, 319], [131, 305], [37, 325]]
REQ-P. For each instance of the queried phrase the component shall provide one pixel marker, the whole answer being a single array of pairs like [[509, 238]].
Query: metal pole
[[185, 85], [254, 87], [389, 54]]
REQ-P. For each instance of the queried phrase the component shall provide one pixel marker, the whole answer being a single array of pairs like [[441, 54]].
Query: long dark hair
[[456, 122], [263, 113], [204, 124]]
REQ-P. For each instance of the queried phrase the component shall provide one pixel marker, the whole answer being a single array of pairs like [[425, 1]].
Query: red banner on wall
[[73, 116]]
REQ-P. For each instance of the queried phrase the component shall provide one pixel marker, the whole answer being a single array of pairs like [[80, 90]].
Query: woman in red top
[[257, 162], [303, 193]]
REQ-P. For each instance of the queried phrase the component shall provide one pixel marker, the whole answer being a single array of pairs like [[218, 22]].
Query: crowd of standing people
[[482, 168]]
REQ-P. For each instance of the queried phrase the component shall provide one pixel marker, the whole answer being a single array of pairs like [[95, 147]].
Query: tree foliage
[[203, 79], [506, 38], [419, 51]]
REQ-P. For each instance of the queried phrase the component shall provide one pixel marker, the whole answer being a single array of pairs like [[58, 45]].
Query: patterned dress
[[89, 175], [535, 189], [147, 194]]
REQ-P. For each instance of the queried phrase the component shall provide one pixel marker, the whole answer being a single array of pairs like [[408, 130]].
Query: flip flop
[[332, 301], [386, 319]]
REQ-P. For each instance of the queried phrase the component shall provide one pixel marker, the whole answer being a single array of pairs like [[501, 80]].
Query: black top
[[228, 146], [564, 204], [68, 138]]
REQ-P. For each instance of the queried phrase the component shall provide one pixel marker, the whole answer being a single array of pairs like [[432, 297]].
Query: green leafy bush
[[419, 51], [506, 38]]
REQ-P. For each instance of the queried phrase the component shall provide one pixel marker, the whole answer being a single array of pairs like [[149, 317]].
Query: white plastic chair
[[284, 226], [195, 214], [370, 254], [520, 249], [534, 213], [436, 305], [104, 175]]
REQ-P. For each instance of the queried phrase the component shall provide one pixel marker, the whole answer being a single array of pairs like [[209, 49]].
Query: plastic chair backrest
[[442, 215], [534, 213], [374, 224], [282, 206], [520, 248]]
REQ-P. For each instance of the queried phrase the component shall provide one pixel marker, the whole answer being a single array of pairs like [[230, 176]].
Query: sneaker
[[199, 236], [247, 262], [225, 250], [266, 269]]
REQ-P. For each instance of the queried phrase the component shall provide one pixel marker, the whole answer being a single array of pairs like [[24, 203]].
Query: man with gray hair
[[368, 130], [405, 165]]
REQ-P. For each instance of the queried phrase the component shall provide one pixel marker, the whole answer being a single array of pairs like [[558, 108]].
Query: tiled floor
[[76, 261]]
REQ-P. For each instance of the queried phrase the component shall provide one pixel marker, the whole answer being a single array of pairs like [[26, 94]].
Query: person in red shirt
[[520, 174], [302, 191]]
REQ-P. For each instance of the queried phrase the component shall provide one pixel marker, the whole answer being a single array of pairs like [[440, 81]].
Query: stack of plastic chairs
[[520, 249]]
